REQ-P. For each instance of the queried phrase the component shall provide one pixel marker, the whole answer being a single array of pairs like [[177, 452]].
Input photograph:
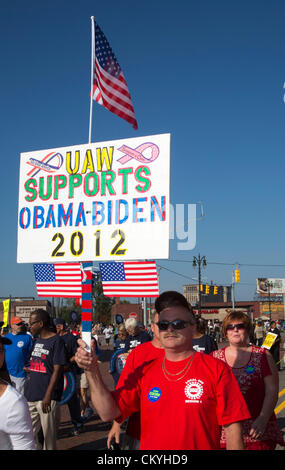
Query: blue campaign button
[[154, 394], [249, 369]]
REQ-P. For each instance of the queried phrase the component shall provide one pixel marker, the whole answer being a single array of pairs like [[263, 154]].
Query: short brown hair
[[237, 315], [152, 316], [200, 325]]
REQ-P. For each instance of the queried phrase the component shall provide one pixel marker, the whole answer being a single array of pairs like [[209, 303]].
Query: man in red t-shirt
[[184, 397], [141, 356]]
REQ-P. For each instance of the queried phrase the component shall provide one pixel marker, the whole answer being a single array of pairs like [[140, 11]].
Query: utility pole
[[233, 290], [235, 278], [144, 311], [197, 262], [269, 285]]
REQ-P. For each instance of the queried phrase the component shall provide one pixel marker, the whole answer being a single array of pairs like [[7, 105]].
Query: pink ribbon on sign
[[137, 153]]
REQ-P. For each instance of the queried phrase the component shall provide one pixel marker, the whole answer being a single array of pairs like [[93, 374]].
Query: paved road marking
[[279, 408], [282, 405]]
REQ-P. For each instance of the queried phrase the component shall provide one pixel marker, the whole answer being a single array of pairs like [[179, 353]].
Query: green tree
[[103, 305], [64, 308]]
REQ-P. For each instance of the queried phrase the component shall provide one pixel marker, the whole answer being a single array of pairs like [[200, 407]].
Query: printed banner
[[6, 306], [269, 340], [270, 286], [98, 201]]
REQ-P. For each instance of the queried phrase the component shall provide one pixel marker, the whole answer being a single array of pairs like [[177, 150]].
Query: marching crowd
[[178, 389]]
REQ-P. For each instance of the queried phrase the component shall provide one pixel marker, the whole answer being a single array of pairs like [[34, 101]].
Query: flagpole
[[92, 76]]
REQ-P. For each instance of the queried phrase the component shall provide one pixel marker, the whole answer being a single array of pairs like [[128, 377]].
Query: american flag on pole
[[129, 279], [58, 280], [109, 85]]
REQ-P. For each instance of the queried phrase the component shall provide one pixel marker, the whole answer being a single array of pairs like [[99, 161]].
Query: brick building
[[24, 308], [209, 293], [218, 310], [131, 310]]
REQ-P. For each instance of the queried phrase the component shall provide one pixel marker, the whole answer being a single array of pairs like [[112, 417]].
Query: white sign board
[[270, 286], [98, 201]]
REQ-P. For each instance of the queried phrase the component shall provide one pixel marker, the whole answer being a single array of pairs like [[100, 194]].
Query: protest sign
[[97, 201], [269, 340], [6, 307]]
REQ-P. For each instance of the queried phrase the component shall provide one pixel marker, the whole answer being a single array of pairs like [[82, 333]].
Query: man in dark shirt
[[71, 346], [201, 341], [275, 349], [44, 384]]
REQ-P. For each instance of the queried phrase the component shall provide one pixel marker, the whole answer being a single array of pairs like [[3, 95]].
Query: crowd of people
[[178, 388], [33, 363], [188, 393]]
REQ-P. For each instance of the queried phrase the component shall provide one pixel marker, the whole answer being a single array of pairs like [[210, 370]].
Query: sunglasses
[[163, 325], [238, 326], [33, 322]]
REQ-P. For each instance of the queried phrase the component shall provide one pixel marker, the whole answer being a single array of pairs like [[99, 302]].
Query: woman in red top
[[257, 376]]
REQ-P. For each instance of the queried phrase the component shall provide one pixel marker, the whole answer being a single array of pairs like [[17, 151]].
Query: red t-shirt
[[143, 355], [186, 414]]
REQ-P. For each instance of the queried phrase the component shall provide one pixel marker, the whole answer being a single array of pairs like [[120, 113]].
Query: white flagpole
[[92, 75]]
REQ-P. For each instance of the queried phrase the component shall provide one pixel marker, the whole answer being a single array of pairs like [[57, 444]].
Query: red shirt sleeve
[[231, 406], [127, 396]]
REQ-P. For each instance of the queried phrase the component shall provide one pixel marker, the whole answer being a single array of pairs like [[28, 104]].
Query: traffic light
[[207, 291], [237, 275], [201, 287], [215, 290]]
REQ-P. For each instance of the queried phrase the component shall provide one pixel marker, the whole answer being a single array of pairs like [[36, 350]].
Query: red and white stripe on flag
[[58, 280], [129, 279], [109, 85]]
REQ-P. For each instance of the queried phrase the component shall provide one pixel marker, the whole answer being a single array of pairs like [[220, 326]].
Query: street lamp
[[198, 262]]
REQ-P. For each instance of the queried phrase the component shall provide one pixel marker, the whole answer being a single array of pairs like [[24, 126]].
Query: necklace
[[185, 370]]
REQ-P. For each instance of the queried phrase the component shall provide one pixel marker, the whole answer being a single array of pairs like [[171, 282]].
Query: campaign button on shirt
[[154, 394], [249, 369]]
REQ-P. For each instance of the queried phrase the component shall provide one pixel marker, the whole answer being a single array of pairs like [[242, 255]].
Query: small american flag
[[129, 279], [58, 280], [109, 85]]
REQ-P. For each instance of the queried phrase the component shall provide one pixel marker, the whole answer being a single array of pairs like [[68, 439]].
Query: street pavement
[[95, 433]]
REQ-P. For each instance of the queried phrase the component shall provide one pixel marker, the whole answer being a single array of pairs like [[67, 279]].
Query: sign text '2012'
[[76, 244]]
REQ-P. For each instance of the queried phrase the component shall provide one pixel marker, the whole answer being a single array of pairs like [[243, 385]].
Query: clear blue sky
[[211, 73]]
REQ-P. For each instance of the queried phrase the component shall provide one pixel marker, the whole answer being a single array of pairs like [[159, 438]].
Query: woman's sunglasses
[[238, 326], [163, 325]]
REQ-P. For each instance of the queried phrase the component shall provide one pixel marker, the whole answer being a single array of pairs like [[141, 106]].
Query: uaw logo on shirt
[[194, 391]]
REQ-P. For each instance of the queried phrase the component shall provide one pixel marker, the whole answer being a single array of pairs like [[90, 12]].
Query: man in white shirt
[[107, 332]]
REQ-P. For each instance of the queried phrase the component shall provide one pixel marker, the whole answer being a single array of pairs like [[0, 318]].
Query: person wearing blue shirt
[[18, 353]]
